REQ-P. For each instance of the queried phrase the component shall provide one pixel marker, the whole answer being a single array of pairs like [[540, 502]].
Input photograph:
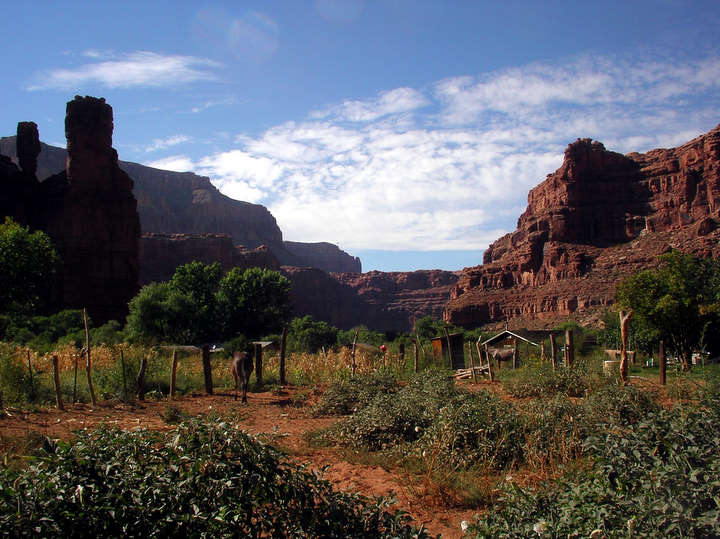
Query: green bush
[[617, 404], [541, 381], [348, 396], [201, 480], [658, 478]]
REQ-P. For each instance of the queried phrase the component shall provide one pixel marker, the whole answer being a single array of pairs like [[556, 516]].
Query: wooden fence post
[[141, 379], [88, 363], [207, 369], [352, 352], [56, 381], [173, 373], [415, 365], [283, 342], [122, 366], [553, 351], [569, 348], [30, 374], [401, 353], [75, 358], [450, 357], [515, 353], [258, 364], [663, 364], [624, 328], [472, 363]]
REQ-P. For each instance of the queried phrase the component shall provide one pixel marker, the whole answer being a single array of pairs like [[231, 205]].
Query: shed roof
[[523, 334]]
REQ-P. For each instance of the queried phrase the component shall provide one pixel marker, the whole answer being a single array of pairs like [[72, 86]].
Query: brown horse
[[241, 367]]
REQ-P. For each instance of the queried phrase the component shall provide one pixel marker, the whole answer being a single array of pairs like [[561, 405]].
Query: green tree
[[254, 302], [309, 335], [28, 263], [199, 306], [678, 300]]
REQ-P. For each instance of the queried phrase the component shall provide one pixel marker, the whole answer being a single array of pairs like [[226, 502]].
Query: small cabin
[[452, 346]]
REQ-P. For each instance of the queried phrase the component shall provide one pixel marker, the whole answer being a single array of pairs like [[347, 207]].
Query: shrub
[[348, 396], [203, 479], [543, 382], [617, 404]]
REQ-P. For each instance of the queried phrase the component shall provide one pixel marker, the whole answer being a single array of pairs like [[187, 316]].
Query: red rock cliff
[[598, 218]]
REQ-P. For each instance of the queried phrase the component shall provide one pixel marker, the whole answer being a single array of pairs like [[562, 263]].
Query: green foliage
[[28, 263], [658, 478], [679, 300], [348, 396], [428, 328], [204, 479], [618, 404], [309, 335], [198, 305], [253, 302], [42, 332], [541, 381], [365, 335]]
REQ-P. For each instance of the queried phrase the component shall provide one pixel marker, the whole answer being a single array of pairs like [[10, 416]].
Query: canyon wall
[[88, 210], [600, 217], [325, 256]]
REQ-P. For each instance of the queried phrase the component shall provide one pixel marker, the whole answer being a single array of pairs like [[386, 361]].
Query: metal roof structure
[[524, 335]]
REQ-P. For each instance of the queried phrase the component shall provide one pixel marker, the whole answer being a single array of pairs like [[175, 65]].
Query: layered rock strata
[[600, 217]]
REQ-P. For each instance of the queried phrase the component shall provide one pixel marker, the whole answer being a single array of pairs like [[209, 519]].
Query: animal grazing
[[241, 367]]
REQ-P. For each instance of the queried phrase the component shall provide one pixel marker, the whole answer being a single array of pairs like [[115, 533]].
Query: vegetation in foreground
[[201, 480]]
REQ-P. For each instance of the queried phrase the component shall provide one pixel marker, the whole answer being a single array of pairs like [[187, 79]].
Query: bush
[[543, 382], [348, 396], [201, 480], [617, 404]]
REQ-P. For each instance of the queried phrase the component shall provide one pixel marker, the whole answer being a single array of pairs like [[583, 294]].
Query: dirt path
[[274, 416]]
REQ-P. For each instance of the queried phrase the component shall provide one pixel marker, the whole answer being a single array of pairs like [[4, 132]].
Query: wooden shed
[[442, 352], [504, 343]]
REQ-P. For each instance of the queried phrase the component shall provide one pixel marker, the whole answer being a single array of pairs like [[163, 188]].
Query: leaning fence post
[[553, 351], [56, 380], [173, 373], [447, 336], [88, 364], [30, 374], [472, 363], [352, 352], [415, 364], [141, 379]]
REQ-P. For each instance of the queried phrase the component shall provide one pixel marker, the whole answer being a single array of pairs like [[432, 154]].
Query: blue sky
[[406, 132]]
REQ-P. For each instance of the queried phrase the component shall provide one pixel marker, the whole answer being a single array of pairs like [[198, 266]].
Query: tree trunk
[[88, 363]]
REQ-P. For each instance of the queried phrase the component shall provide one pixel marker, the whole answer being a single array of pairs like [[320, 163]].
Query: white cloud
[[450, 167], [214, 103], [161, 144], [177, 163], [139, 68]]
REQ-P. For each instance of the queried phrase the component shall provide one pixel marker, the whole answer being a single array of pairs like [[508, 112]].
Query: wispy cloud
[[449, 167], [126, 70], [214, 103], [161, 144]]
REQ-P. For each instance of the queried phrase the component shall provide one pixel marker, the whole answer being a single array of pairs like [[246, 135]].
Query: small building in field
[[442, 351]]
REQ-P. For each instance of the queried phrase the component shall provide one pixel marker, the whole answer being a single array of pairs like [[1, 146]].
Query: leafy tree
[[309, 335], [678, 299], [428, 328], [28, 263], [254, 302], [198, 305], [365, 335]]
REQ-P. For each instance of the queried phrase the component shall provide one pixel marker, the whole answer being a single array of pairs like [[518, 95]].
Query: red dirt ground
[[271, 415]]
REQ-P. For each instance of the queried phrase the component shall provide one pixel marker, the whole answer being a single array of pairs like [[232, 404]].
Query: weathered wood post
[[207, 369], [663, 364], [624, 329], [283, 344], [569, 348], [515, 353], [553, 351], [401, 354], [140, 381], [472, 363], [30, 374], [352, 352], [122, 366], [173, 373], [543, 355], [415, 364], [447, 337], [75, 359], [258, 364], [88, 363], [56, 381]]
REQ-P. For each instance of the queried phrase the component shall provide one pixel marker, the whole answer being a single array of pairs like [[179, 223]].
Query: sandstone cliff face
[[160, 254], [598, 218], [88, 210], [382, 301], [325, 256]]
